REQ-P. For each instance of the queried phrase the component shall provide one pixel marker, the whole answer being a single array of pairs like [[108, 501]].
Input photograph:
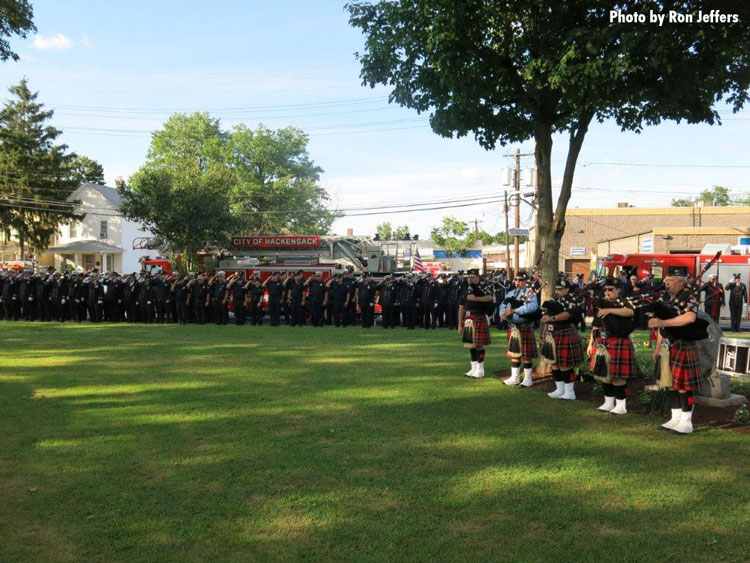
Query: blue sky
[[113, 72]]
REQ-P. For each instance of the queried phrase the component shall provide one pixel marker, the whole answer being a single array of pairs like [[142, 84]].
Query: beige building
[[673, 240], [631, 227]]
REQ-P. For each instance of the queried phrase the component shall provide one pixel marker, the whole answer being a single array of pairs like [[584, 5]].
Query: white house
[[103, 239]]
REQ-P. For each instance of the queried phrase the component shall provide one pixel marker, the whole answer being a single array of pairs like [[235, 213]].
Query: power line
[[197, 73], [663, 165], [309, 105]]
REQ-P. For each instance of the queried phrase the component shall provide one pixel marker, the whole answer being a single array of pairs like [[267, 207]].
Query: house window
[[74, 229], [103, 229]]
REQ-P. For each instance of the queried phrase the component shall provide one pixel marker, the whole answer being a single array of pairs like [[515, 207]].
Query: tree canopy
[[508, 72], [385, 231], [200, 184], [88, 170], [182, 192], [36, 175], [276, 185], [718, 195], [16, 18], [451, 235]]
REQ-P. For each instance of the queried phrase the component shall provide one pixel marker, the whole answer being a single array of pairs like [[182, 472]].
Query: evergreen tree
[[36, 175]]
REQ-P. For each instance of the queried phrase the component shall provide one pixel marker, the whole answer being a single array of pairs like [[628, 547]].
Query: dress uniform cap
[[473, 272], [318, 273], [562, 284]]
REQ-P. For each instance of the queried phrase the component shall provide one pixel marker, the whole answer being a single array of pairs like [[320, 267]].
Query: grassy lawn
[[164, 443]]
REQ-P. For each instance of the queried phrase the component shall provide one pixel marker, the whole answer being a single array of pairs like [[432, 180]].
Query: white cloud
[[57, 42], [87, 42]]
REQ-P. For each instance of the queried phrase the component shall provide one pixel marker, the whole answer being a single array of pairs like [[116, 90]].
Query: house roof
[[110, 194], [85, 246]]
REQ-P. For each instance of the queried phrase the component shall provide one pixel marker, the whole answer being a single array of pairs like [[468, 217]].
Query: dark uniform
[[10, 295], [366, 300], [255, 301], [429, 298], [219, 300], [737, 298], [197, 294], [112, 299], [387, 301], [179, 295], [237, 291], [441, 301], [351, 310], [316, 293], [453, 291], [95, 299], [275, 293], [59, 298], [161, 289], [338, 295], [295, 291], [408, 299], [144, 300]]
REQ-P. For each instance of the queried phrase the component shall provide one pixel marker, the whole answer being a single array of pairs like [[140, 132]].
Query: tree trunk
[[21, 245], [551, 227], [543, 252]]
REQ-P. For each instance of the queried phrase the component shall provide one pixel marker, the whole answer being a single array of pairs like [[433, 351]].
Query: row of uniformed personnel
[[411, 300]]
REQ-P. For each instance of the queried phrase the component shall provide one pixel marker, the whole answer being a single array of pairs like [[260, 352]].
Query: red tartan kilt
[[684, 364], [481, 329], [621, 357], [568, 348], [528, 344]]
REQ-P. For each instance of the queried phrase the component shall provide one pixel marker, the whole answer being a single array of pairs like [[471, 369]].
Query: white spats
[[527, 381], [515, 376], [570, 392], [672, 422], [685, 424], [609, 404], [559, 390], [620, 407]]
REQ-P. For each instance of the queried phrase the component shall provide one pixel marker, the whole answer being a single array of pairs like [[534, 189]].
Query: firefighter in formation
[[415, 300]]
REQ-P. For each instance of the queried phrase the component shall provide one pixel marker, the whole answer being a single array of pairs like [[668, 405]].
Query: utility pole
[[517, 185], [511, 275], [517, 202], [476, 226]]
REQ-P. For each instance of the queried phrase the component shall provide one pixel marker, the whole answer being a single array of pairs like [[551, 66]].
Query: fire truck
[[734, 260], [267, 254]]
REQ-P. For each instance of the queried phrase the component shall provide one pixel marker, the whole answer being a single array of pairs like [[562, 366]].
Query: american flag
[[418, 262]]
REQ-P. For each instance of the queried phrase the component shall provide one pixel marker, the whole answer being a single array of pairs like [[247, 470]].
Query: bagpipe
[[617, 326], [570, 303], [679, 305]]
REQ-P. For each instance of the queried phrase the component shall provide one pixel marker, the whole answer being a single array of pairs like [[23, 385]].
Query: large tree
[[201, 184], [182, 192], [277, 185], [512, 71], [36, 175], [16, 18]]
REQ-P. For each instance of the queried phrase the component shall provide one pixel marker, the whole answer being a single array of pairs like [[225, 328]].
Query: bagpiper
[[611, 349], [521, 310]]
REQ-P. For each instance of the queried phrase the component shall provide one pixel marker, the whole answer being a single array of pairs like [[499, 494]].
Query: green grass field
[[167, 443]]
